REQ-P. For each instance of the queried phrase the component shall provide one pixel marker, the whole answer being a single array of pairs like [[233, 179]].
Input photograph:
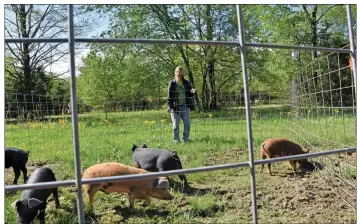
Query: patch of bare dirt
[[230, 156], [282, 198], [10, 175], [349, 158], [301, 199]]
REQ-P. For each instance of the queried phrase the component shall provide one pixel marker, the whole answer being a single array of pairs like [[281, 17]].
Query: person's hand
[[193, 90]]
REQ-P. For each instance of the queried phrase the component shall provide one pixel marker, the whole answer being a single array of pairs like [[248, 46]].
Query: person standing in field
[[180, 102]]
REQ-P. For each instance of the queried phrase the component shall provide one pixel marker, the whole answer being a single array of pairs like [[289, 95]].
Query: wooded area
[[113, 73]]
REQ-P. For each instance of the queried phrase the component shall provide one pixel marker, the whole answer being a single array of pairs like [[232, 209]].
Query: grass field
[[217, 138]]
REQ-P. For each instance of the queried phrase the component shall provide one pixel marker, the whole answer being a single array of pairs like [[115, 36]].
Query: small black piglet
[[34, 201], [17, 159]]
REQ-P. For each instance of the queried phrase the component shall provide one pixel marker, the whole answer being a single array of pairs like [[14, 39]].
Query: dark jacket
[[172, 96]]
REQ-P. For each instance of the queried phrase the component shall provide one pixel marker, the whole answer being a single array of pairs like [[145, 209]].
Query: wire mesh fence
[[40, 116], [324, 112], [319, 115]]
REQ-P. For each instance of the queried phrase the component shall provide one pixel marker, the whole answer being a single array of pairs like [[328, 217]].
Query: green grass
[[217, 138]]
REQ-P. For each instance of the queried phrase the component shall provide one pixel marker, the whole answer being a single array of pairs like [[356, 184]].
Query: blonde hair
[[179, 68]]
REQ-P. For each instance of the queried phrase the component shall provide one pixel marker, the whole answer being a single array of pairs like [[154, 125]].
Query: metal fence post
[[247, 111], [75, 116], [353, 65]]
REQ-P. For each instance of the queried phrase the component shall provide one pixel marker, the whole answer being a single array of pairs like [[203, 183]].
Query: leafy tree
[[215, 70], [25, 71]]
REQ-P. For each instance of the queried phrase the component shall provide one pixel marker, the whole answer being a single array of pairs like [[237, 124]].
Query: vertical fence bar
[[75, 116], [247, 107], [353, 56]]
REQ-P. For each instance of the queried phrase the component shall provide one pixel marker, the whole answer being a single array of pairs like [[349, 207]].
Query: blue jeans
[[184, 114]]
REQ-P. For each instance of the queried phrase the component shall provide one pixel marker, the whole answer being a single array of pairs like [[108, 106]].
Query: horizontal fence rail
[[79, 181], [174, 172], [159, 41]]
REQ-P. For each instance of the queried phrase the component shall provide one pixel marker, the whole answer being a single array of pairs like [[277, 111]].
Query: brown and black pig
[[143, 189]]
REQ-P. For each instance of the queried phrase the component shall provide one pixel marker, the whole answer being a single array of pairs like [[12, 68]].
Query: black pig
[[17, 159], [34, 201], [153, 160]]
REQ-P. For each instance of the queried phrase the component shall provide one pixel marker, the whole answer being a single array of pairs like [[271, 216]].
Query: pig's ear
[[15, 204], [144, 146], [174, 153], [134, 147], [162, 184], [33, 202]]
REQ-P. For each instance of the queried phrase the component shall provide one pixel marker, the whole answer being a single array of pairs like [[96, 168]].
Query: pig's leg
[[17, 174], [55, 196], [293, 166], [186, 186], [263, 157], [90, 192], [269, 168], [269, 164], [147, 201], [131, 201], [142, 195], [24, 172], [41, 215], [178, 166]]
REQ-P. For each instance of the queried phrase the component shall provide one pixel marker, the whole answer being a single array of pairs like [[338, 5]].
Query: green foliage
[[213, 70], [112, 74]]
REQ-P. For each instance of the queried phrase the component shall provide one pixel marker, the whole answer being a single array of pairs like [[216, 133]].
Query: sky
[[63, 66]]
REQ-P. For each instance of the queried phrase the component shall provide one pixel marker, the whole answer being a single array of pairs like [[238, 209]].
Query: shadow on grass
[[309, 168], [194, 191], [89, 214], [138, 212], [178, 187]]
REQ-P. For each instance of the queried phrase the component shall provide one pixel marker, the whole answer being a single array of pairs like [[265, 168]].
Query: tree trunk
[[210, 60], [27, 81], [204, 91], [213, 98], [314, 31]]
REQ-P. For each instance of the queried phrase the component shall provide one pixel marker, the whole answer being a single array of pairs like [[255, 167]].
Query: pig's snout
[[170, 197]]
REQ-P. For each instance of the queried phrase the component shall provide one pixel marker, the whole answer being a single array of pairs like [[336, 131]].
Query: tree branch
[[8, 20], [28, 10], [158, 55], [306, 12], [326, 12], [47, 11], [184, 12], [13, 53], [225, 81], [11, 74], [43, 54]]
